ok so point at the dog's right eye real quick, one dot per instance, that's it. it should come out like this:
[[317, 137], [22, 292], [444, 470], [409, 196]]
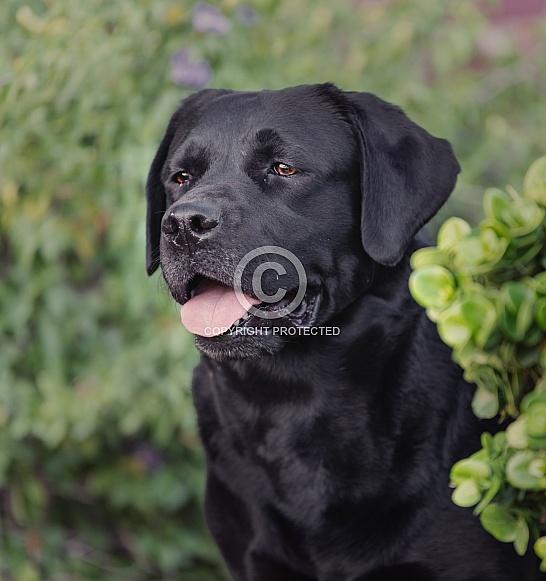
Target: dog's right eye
[[283, 169], [181, 177]]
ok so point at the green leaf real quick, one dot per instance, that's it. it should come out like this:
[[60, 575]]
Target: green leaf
[[533, 337], [516, 294], [540, 282], [526, 217], [432, 286], [522, 537], [540, 550], [469, 253], [536, 444], [540, 313], [471, 316], [531, 399], [540, 547], [452, 231], [471, 477], [429, 256], [534, 182], [467, 494], [481, 314], [536, 420], [527, 470], [453, 326], [496, 203], [516, 433], [500, 522], [485, 404], [499, 443], [519, 303], [494, 245], [470, 468]]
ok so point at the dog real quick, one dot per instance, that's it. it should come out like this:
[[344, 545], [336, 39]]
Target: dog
[[330, 427]]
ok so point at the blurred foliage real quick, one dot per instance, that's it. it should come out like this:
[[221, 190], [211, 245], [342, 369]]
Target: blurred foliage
[[101, 473], [486, 290]]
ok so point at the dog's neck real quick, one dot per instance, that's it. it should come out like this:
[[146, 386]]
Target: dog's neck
[[361, 372]]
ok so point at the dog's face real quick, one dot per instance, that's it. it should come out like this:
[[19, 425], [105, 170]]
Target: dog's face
[[305, 183]]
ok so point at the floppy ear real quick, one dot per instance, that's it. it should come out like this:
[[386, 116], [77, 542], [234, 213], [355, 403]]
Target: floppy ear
[[155, 191], [406, 176], [157, 201]]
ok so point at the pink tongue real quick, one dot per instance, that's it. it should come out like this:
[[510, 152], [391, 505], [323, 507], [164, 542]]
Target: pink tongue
[[213, 309]]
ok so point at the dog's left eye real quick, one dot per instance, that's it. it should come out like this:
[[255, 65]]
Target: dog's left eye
[[182, 177], [283, 169]]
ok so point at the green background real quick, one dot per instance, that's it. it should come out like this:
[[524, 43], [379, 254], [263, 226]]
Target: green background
[[101, 471]]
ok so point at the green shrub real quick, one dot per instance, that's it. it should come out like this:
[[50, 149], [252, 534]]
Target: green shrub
[[486, 290], [101, 472]]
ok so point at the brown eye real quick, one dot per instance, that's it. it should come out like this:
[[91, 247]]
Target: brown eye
[[283, 169], [182, 177]]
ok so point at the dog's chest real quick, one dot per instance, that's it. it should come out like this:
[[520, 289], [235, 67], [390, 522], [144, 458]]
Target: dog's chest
[[272, 456], [298, 473]]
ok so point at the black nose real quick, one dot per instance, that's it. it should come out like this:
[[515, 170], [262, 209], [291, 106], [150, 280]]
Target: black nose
[[190, 219]]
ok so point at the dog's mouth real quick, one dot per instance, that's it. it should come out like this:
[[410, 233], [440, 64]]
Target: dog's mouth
[[212, 309]]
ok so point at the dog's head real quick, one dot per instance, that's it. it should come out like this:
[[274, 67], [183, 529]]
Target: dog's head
[[267, 210]]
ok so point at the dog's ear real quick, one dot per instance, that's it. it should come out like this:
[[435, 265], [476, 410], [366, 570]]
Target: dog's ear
[[406, 176], [155, 191], [156, 197]]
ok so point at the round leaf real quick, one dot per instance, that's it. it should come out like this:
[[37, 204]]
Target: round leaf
[[470, 468], [451, 231], [466, 494], [496, 203], [516, 433], [481, 314], [540, 547], [432, 286], [427, 256], [453, 327], [485, 404], [534, 182], [500, 522], [526, 470], [536, 420]]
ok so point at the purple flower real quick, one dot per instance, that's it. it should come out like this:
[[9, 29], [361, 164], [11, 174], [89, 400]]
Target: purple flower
[[149, 456], [247, 15], [208, 18], [187, 72]]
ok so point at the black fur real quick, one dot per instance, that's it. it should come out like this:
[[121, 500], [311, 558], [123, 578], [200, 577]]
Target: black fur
[[328, 456]]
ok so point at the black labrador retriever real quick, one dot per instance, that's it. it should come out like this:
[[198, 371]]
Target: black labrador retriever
[[330, 417]]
